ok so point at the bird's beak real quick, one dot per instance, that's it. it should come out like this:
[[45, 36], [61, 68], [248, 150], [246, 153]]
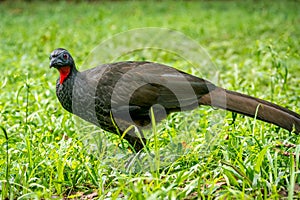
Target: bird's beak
[[53, 62]]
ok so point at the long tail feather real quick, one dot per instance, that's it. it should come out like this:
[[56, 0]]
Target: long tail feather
[[251, 106]]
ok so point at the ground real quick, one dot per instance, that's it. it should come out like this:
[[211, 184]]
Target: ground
[[203, 154]]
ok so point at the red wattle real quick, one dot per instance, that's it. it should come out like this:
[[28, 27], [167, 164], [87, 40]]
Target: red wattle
[[64, 72]]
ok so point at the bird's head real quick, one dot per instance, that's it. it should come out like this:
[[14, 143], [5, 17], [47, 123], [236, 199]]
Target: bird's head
[[62, 60]]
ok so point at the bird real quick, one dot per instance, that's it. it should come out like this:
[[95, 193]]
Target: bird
[[121, 95]]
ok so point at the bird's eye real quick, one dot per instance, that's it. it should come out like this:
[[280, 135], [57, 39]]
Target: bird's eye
[[65, 56]]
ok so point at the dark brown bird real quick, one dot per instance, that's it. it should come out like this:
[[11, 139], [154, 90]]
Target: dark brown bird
[[118, 95]]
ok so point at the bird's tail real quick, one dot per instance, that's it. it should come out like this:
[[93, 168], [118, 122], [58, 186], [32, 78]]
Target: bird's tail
[[253, 107]]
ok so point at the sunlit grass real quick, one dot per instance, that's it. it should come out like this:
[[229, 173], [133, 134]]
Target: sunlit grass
[[49, 153]]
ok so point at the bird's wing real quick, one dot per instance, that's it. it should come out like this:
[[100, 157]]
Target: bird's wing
[[147, 84]]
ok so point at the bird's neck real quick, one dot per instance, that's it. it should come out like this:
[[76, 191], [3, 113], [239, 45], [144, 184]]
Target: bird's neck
[[64, 73]]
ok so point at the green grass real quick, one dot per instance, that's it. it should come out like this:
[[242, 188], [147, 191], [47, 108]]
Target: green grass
[[49, 153]]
